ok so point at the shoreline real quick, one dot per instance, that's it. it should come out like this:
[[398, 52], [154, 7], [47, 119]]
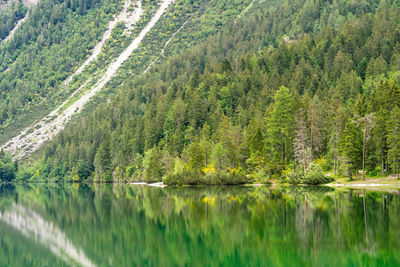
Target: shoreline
[[372, 185]]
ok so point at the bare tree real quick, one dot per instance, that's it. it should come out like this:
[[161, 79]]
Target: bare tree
[[301, 141]]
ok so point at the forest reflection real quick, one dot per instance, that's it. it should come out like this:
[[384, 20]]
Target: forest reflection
[[125, 225]]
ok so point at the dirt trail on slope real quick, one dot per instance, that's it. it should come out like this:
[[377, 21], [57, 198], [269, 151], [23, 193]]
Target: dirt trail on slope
[[31, 138], [129, 19], [166, 44]]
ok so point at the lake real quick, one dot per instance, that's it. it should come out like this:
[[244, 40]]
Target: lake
[[136, 225]]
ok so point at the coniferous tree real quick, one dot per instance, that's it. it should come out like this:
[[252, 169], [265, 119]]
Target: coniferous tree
[[351, 148], [379, 133], [315, 120], [394, 141], [280, 127]]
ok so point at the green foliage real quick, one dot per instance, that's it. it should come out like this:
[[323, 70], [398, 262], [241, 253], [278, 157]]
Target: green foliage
[[8, 168], [293, 177], [351, 148], [10, 16], [280, 127], [199, 178], [376, 172], [394, 140], [84, 170], [152, 164], [231, 101], [313, 176]]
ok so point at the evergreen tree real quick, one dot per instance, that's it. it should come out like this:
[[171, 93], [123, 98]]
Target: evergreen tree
[[280, 127], [394, 141], [379, 133], [196, 156], [351, 148], [153, 165], [315, 120]]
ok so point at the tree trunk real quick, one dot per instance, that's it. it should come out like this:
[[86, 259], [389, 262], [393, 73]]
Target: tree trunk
[[311, 135], [334, 166], [283, 156], [236, 67], [336, 159], [364, 140]]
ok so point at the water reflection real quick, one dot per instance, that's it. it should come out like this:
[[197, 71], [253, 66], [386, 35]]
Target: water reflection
[[33, 226], [127, 225]]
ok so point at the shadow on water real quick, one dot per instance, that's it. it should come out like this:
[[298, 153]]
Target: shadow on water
[[135, 225]]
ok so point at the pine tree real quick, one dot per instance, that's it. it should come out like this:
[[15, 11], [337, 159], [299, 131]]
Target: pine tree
[[280, 126], [205, 143], [152, 163], [350, 148], [219, 156], [314, 116], [196, 157], [227, 138], [394, 141], [380, 137]]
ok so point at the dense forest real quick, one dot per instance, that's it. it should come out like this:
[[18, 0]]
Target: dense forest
[[9, 16], [54, 39], [288, 92]]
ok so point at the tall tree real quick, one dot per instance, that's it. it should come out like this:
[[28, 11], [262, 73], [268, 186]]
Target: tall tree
[[350, 148], [205, 143], [226, 136], [367, 122], [280, 126], [394, 140], [315, 126], [301, 141], [379, 134]]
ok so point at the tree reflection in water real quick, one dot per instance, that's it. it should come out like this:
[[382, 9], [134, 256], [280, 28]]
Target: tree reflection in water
[[135, 225]]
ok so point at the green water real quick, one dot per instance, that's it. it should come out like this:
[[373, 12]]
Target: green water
[[131, 225]]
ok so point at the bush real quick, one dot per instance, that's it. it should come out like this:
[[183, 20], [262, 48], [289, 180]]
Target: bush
[[315, 175], [294, 177], [325, 164], [185, 178], [376, 172], [199, 178], [8, 168]]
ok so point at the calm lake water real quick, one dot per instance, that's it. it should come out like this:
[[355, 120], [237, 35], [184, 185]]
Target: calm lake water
[[130, 225]]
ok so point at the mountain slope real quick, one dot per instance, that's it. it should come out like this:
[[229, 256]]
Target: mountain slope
[[79, 83], [43, 52], [48, 127], [219, 107]]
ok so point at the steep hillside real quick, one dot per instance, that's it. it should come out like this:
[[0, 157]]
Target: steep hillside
[[268, 93], [112, 53], [55, 38]]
